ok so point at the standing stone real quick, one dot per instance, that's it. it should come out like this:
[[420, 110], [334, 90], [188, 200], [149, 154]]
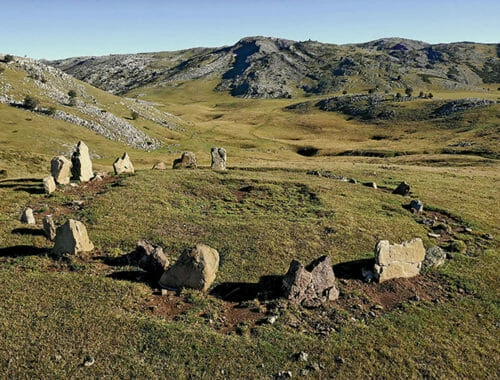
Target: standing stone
[[398, 260], [123, 165], [311, 285], [49, 184], [60, 169], [187, 161], [49, 227], [72, 238], [82, 164], [402, 189], [151, 257], [416, 206], [219, 158], [27, 217], [195, 268]]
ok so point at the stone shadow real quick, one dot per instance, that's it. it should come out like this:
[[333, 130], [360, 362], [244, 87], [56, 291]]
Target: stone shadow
[[29, 185], [353, 269], [22, 250], [28, 231], [268, 288]]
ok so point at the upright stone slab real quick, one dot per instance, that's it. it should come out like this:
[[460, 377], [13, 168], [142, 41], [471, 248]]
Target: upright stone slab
[[398, 260], [27, 217], [49, 227], [123, 165], [195, 268], [151, 258], [60, 169], [49, 185], [219, 158], [416, 206], [187, 161], [311, 285], [82, 164], [402, 189], [72, 238]]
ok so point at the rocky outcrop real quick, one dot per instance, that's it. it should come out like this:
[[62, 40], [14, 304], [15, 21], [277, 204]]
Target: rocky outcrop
[[196, 269], [82, 164], [60, 169], [219, 157], [123, 165], [398, 260], [187, 161], [310, 286], [72, 238]]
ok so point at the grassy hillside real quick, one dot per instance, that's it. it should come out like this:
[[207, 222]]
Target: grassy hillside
[[59, 315]]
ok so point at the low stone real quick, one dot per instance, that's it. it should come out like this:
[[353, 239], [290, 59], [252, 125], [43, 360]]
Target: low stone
[[72, 238], [196, 268], [398, 260], [187, 161], [302, 356], [416, 206], [160, 166], [373, 185], [219, 158], [27, 217], [82, 164], [434, 257], [402, 189], [312, 285], [60, 169], [49, 227], [433, 235], [151, 257], [123, 165], [49, 185]]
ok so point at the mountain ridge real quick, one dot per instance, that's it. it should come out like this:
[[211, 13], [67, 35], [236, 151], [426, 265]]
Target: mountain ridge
[[269, 67]]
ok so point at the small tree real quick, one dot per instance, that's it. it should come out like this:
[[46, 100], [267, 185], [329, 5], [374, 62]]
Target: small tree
[[72, 97], [8, 58], [430, 96], [30, 102], [135, 115], [421, 94]]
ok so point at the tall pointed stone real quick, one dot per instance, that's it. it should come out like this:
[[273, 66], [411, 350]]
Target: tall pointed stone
[[82, 164], [60, 169], [72, 238], [219, 157], [123, 165]]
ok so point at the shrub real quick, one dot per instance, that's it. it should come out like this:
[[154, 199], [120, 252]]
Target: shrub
[[135, 115], [8, 58], [30, 102], [72, 93], [408, 91]]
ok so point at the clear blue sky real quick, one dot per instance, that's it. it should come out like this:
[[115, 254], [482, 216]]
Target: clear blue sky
[[66, 28]]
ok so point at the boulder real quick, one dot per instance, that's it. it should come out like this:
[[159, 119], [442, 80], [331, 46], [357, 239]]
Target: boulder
[[402, 189], [160, 166], [416, 206], [151, 257], [219, 158], [434, 257], [49, 184], [82, 164], [72, 238], [27, 217], [60, 169], [49, 227], [312, 285], [187, 161], [398, 260], [196, 268], [123, 165]]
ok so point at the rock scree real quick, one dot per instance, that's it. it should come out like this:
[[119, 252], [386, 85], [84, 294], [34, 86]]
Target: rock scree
[[196, 269], [398, 260], [82, 164], [72, 238], [312, 285]]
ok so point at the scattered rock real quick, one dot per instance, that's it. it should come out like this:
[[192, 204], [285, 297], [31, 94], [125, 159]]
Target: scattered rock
[[302, 356], [151, 257], [195, 268], [123, 165], [187, 161], [49, 185], [49, 227], [416, 206], [339, 360], [433, 235], [272, 319], [311, 285], [160, 166], [402, 189], [82, 164], [434, 257], [488, 237], [373, 185], [398, 260], [88, 361], [468, 230], [219, 158], [27, 217], [283, 375], [60, 169], [72, 238]]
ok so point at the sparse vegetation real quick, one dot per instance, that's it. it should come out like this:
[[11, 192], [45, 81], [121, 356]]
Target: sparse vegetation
[[30, 102]]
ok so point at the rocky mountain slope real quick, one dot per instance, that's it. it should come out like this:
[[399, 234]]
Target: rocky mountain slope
[[263, 67], [59, 95]]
